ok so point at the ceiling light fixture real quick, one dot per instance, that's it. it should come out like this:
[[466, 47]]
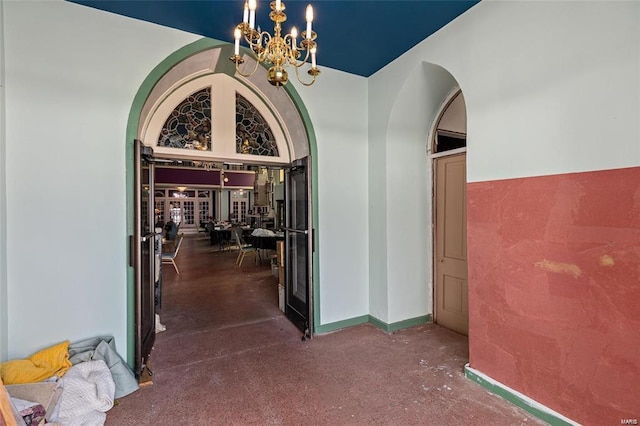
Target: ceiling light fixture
[[277, 50], [182, 188]]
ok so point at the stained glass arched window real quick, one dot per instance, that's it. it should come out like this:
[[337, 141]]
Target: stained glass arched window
[[253, 134], [189, 124]]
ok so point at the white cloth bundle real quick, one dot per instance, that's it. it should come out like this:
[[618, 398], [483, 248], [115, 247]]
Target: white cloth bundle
[[260, 232], [88, 392]]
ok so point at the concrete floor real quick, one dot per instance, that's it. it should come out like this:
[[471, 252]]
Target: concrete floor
[[229, 357]]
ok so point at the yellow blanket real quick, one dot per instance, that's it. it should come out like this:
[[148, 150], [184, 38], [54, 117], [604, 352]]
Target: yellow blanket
[[53, 361]]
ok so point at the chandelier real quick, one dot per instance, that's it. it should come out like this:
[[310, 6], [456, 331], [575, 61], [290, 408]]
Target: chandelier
[[276, 50]]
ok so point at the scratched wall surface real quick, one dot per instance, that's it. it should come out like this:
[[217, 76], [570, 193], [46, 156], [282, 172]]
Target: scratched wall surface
[[554, 290]]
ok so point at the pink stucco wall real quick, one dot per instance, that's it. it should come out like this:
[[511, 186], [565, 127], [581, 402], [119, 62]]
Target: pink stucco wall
[[554, 290]]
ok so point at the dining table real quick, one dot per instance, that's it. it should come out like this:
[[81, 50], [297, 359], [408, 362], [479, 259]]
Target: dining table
[[222, 236], [264, 243]]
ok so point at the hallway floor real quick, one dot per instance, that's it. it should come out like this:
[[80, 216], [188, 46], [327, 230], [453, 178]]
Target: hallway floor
[[230, 357]]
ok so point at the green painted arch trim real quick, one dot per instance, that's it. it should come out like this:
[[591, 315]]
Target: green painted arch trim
[[132, 129]]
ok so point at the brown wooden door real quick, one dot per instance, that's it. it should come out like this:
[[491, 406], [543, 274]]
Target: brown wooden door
[[451, 295]]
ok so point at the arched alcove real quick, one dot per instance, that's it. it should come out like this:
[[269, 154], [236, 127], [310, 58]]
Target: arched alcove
[[407, 278]]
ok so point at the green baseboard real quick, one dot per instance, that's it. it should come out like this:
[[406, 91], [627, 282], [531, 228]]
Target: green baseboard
[[333, 326], [377, 323], [542, 412], [364, 319], [395, 326]]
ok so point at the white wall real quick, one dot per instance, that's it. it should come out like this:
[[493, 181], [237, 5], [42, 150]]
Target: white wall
[[378, 118], [71, 75], [337, 105], [550, 87], [569, 97], [4, 331]]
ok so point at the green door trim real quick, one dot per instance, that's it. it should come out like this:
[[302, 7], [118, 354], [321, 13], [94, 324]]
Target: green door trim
[[132, 129]]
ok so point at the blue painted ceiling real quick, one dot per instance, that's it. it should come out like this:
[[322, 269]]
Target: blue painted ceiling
[[356, 36]]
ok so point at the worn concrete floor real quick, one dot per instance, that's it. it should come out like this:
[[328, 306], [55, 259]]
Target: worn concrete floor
[[229, 357]]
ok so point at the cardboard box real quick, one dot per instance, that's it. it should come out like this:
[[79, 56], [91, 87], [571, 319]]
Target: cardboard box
[[44, 393], [8, 414]]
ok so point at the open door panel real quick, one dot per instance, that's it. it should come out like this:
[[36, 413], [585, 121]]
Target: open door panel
[[298, 246], [147, 246]]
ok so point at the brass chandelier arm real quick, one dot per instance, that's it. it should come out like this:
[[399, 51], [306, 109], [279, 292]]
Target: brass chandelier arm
[[312, 72], [294, 54], [305, 60], [238, 60], [257, 51], [261, 54]]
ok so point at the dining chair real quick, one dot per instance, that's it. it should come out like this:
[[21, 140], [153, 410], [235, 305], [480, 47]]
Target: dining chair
[[170, 256], [203, 228], [243, 247]]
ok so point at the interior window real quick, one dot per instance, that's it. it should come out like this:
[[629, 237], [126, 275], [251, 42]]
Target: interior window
[[449, 141]]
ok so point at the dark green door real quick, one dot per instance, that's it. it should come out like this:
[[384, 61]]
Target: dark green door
[[146, 260], [298, 237]]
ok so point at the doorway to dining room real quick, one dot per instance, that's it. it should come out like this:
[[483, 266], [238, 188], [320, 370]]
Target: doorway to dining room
[[274, 215], [189, 122]]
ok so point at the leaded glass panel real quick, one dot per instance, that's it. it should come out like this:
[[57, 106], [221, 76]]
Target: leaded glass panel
[[189, 124], [253, 134]]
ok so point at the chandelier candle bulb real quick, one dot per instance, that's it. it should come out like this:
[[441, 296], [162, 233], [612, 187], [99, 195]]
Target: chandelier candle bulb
[[245, 13], [313, 57], [309, 20], [252, 13], [237, 34], [278, 5], [294, 35]]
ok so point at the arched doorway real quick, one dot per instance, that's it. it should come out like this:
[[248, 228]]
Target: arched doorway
[[451, 302], [184, 70]]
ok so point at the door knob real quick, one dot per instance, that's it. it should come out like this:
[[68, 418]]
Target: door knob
[[441, 260]]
